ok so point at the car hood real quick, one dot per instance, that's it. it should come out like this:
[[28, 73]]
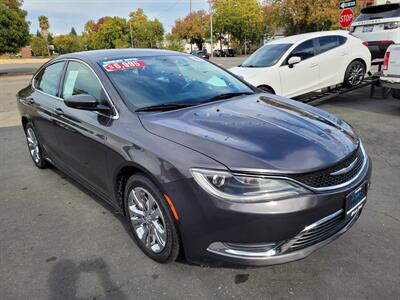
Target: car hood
[[259, 133], [247, 73]]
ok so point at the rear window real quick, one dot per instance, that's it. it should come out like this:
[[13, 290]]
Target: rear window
[[379, 12]]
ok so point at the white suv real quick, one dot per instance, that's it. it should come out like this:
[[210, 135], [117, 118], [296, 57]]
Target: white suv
[[391, 70], [379, 27]]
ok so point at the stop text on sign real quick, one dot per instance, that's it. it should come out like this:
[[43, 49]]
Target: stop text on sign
[[346, 18]]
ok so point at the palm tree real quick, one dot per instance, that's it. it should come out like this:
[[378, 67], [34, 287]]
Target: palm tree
[[44, 29]]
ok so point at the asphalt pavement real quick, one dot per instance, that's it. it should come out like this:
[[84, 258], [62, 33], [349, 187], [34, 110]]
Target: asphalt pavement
[[59, 241]]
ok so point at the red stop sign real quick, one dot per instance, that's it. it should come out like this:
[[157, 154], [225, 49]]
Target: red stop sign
[[346, 18]]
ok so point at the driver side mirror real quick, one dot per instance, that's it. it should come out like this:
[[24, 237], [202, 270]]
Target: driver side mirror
[[293, 61], [85, 102]]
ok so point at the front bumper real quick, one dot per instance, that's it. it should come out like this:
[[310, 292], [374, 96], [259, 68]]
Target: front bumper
[[325, 231], [216, 232]]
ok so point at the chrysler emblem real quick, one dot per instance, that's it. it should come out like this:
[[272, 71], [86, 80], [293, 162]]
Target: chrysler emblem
[[346, 169]]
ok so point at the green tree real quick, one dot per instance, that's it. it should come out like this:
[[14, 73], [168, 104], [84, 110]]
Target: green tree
[[68, 43], [300, 16], [44, 25], [172, 42], [44, 30], [14, 29], [39, 46], [111, 33], [241, 20], [145, 33], [193, 28], [73, 32]]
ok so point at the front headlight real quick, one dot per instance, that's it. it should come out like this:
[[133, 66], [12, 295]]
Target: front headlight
[[241, 188]]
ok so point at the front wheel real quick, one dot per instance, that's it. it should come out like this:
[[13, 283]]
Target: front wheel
[[150, 220], [266, 89], [355, 74]]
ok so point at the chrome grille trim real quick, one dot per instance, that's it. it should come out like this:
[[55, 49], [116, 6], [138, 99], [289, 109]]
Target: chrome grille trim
[[259, 173]]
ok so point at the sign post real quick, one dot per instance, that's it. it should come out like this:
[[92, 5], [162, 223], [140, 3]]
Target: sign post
[[346, 18]]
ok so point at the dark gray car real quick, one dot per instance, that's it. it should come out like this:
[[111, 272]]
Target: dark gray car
[[202, 164]]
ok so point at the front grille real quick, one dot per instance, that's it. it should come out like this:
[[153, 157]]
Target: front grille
[[320, 232], [323, 178]]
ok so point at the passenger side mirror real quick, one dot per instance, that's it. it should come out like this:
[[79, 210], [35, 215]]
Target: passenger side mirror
[[293, 61], [85, 102]]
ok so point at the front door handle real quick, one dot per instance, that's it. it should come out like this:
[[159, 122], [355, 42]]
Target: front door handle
[[314, 65], [59, 112]]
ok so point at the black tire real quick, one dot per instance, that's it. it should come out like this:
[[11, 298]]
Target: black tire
[[172, 245], [396, 93], [266, 89], [34, 147], [355, 74]]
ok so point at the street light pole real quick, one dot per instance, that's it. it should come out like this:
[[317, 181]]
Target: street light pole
[[190, 12], [130, 28], [211, 33]]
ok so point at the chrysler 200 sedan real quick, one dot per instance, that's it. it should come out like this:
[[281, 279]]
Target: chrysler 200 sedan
[[201, 163]]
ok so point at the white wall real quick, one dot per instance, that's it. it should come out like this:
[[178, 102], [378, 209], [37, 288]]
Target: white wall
[[378, 2]]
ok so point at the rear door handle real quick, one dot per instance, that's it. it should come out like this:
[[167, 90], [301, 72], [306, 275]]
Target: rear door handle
[[314, 65], [30, 100], [59, 112]]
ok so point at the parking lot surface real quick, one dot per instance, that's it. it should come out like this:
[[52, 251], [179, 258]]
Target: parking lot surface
[[59, 241]]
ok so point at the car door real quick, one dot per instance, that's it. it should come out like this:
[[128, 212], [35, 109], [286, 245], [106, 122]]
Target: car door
[[43, 102], [304, 76], [332, 49], [82, 135]]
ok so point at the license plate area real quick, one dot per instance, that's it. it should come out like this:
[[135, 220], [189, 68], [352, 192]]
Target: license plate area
[[368, 28], [355, 200]]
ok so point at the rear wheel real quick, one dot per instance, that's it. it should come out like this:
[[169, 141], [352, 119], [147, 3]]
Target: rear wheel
[[34, 147], [396, 93], [150, 220], [355, 74]]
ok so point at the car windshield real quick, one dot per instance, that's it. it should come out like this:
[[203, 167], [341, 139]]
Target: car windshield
[[167, 80], [266, 56], [379, 12]]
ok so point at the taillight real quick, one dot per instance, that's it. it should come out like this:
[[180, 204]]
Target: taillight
[[391, 25], [365, 44], [386, 61]]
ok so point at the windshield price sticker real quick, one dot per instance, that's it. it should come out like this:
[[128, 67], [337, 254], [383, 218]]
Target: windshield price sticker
[[122, 64]]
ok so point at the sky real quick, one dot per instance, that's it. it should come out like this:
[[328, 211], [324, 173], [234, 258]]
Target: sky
[[64, 14]]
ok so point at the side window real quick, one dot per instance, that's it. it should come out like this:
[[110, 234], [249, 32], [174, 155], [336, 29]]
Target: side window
[[327, 43], [342, 40], [79, 79], [47, 80], [305, 50]]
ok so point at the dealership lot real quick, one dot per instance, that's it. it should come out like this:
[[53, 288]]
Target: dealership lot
[[58, 241]]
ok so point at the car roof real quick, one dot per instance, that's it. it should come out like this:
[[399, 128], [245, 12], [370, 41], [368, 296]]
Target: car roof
[[111, 54], [294, 39]]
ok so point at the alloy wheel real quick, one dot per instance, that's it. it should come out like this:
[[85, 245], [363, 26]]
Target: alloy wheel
[[147, 219], [33, 145], [356, 74]]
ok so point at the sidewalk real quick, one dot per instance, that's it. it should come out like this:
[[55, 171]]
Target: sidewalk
[[13, 61]]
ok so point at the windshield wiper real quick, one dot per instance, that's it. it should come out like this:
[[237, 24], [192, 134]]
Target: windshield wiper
[[226, 96], [164, 107]]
